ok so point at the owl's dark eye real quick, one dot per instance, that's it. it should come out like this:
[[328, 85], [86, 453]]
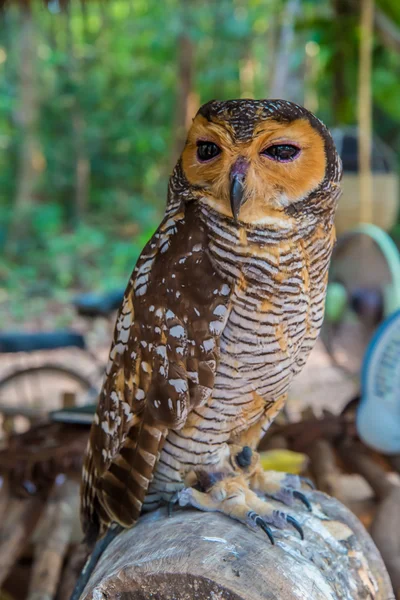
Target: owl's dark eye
[[281, 152], [207, 150]]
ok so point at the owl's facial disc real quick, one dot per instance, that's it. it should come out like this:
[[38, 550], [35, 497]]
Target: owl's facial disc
[[254, 178]]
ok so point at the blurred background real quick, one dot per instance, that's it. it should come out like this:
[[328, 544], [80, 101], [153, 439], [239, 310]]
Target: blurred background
[[95, 99]]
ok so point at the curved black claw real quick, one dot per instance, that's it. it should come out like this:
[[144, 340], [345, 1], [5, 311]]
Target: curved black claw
[[171, 503], [308, 482], [261, 523], [300, 496], [296, 525]]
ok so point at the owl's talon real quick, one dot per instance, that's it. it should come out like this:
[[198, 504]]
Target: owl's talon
[[308, 481], [259, 521], [303, 498], [171, 503], [296, 525]]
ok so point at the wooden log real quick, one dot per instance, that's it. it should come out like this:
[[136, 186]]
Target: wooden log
[[207, 555], [385, 527], [395, 462], [324, 467], [4, 496], [22, 517], [74, 566], [55, 529]]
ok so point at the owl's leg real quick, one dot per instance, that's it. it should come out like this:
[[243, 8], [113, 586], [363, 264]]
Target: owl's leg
[[285, 487], [233, 497]]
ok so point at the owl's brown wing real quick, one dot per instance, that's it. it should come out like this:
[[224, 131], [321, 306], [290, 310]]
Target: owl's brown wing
[[162, 364]]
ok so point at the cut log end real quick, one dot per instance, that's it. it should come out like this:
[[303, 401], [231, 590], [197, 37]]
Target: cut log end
[[207, 555]]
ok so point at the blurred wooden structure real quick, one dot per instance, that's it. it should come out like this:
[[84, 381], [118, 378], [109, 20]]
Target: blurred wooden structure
[[385, 183]]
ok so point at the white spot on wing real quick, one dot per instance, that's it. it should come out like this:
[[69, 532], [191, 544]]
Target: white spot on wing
[[177, 331], [126, 408], [180, 385], [105, 427], [193, 376], [118, 349], [225, 290], [209, 345], [216, 327], [123, 335]]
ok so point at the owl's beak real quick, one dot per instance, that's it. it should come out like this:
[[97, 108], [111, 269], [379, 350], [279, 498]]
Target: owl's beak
[[237, 179]]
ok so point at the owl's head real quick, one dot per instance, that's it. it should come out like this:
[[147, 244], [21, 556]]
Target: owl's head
[[257, 161]]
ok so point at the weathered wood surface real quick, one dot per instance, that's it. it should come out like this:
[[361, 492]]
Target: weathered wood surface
[[55, 528], [195, 555], [19, 522]]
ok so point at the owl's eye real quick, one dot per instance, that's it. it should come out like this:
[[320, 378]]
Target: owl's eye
[[282, 152], [207, 150]]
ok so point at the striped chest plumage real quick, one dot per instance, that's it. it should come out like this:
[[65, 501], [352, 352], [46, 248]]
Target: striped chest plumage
[[276, 310]]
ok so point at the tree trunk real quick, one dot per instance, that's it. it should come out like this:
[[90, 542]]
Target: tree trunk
[[206, 555], [365, 110], [284, 49], [82, 162], [343, 11], [187, 101], [31, 161]]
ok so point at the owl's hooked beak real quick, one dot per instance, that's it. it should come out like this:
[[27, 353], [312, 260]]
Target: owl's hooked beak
[[237, 179]]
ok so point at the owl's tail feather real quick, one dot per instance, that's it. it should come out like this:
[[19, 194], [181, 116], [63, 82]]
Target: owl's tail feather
[[92, 561], [125, 484]]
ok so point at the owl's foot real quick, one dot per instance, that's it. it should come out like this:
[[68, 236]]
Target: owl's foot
[[233, 497], [285, 487]]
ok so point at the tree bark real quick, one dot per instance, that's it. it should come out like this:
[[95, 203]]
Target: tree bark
[[22, 517], [187, 101], [284, 48], [207, 555], [343, 11], [365, 110], [55, 529], [31, 161], [82, 162]]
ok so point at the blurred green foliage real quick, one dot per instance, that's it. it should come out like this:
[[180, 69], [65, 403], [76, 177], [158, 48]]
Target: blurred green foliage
[[104, 80]]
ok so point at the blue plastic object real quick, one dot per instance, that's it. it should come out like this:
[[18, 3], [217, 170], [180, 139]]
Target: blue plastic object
[[99, 305], [15, 341], [378, 415]]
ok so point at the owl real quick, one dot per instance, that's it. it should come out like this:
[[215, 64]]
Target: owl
[[222, 309]]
